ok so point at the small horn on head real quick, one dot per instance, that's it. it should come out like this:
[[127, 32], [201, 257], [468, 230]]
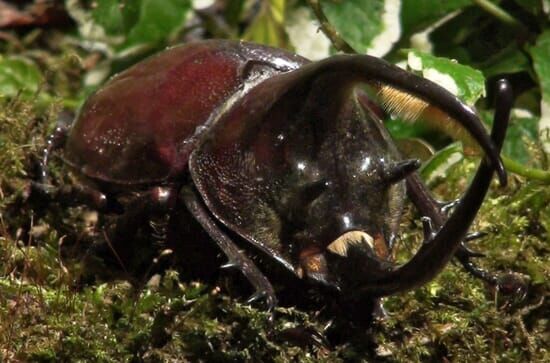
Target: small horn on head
[[398, 171]]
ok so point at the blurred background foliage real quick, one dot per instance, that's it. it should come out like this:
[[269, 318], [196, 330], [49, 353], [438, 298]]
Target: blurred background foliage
[[55, 53]]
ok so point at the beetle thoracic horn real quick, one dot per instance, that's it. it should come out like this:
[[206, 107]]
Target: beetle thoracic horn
[[372, 70], [348, 71], [438, 250]]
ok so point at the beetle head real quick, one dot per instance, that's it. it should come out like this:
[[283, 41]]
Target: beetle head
[[300, 169]]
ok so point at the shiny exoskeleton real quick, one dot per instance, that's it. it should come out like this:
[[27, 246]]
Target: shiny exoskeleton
[[291, 156]]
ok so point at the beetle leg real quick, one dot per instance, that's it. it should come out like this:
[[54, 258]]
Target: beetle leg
[[73, 195], [431, 208], [156, 201], [236, 257], [139, 211], [55, 141]]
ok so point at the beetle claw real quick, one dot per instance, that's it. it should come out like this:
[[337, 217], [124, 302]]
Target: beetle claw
[[428, 228], [474, 235], [229, 265], [270, 300], [446, 207]]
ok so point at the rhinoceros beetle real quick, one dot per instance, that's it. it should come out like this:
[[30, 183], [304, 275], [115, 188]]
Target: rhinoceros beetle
[[286, 156]]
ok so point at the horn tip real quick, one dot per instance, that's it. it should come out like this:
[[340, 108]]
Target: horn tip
[[502, 175]]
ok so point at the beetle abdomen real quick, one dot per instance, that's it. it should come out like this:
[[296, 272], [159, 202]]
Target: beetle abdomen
[[142, 125]]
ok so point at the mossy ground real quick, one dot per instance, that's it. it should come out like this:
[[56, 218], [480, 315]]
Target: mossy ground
[[54, 307]]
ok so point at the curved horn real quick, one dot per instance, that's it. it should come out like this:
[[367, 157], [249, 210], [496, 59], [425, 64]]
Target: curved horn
[[371, 69], [350, 70], [436, 252]]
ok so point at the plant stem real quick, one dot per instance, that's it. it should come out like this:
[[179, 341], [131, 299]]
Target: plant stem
[[498, 13], [327, 28], [529, 173]]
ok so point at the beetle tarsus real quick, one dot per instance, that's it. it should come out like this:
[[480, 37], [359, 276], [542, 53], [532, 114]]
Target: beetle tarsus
[[435, 210], [149, 207], [469, 252], [479, 273], [474, 235]]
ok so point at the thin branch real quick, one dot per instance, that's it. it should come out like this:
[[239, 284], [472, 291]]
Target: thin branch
[[326, 27], [498, 13], [529, 173]]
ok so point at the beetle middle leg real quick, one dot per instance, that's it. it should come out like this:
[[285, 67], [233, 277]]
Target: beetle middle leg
[[430, 207], [262, 286], [149, 208]]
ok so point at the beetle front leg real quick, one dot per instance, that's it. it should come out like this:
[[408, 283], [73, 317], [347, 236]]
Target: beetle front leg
[[236, 257]]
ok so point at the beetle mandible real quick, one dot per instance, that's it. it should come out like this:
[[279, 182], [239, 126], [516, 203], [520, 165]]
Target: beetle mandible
[[288, 155]]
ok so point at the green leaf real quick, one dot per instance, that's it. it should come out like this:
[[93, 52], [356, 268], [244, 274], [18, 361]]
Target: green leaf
[[535, 7], [463, 81], [419, 14], [233, 11], [108, 14], [267, 26], [541, 63], [157, 21], [509, 60], [400, 129], [19, 75], [359, 22], [146, 23], [520, 131], [441, 161]]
